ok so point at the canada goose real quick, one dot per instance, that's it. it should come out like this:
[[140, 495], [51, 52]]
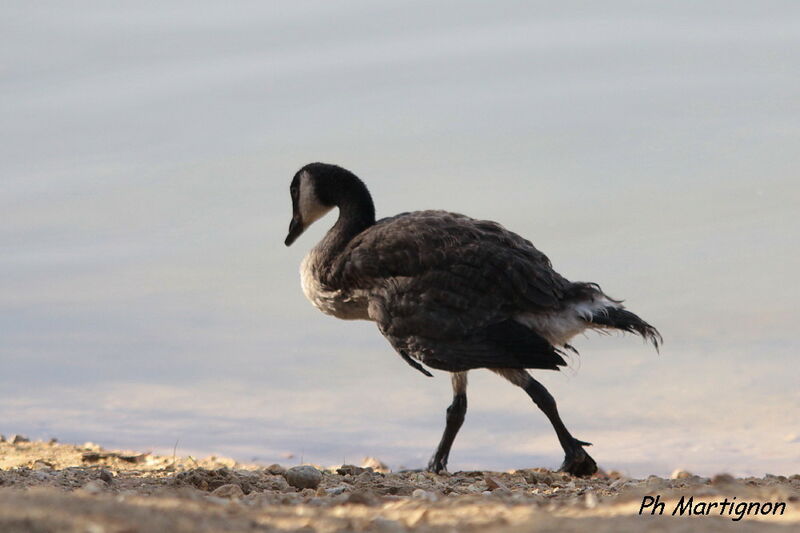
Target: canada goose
[[450, 292]]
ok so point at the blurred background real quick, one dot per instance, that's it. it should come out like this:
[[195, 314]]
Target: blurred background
[[146, 296]]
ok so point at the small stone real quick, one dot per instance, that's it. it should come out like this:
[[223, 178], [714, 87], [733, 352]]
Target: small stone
[[275, 469], [590, 500], [375, 464], [334, 491], [538, 477], [230, 491], [362, 497], [53, 441], [422, 494], [655, 482], [680, 474], [303, 477], [365, 476], [106, 476], [353, 470], [17, 439], [42, 465], [723, 479], [95, 486], [473, 488], [278, 483], [493, 483]]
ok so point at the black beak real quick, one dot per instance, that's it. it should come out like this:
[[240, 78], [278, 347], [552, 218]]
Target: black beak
[[295, 229]]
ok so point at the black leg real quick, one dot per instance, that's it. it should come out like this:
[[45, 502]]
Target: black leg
[[576, 461], [454, 420]]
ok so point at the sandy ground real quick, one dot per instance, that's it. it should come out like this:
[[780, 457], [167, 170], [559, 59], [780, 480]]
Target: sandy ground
[[52, 487]]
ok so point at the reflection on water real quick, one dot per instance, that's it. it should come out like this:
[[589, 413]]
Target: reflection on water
[[146, 296]]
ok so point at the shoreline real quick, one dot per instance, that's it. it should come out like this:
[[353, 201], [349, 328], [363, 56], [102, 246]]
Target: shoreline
[[50, 486]]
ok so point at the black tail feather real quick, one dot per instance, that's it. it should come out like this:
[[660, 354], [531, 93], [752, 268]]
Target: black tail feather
[[622, 319], [529, 348]]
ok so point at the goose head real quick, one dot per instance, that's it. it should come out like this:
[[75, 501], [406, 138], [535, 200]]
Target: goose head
[[311, 198]]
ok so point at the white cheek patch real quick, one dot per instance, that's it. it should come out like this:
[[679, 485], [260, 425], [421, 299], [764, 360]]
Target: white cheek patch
[[311, 209]]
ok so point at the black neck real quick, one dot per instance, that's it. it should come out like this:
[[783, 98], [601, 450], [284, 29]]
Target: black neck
[[356, 209]]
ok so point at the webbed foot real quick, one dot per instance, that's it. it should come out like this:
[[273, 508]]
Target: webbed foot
[[578, 462], [437, 466]]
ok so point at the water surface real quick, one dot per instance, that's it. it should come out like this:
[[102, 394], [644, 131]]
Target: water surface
[[146, 297]]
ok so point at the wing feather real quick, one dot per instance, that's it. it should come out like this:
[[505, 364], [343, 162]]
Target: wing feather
[[443, 289]]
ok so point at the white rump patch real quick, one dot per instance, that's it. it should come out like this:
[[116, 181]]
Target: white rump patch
[[559, 328]]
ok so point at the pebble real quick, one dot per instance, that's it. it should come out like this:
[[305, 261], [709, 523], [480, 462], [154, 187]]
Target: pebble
[[352, 470], [542, 478], [95, 486], [680, 474], [230, 491], [275, 469], [422, 494], [365, 477], [723, 479], [375, 464], [472, 487], [278, 483], [304, 477], [363, 497], [42, 465], [494, 483], [16, 439], [106, 476], [617, 484], [591, 500]]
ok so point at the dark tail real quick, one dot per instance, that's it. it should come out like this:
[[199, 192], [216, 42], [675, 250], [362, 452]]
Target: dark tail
[[622, 319]]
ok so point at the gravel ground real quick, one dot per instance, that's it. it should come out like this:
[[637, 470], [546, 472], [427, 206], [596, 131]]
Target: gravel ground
[[52, 487]]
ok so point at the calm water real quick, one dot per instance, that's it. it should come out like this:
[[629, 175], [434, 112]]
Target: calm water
[[146, 296]]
